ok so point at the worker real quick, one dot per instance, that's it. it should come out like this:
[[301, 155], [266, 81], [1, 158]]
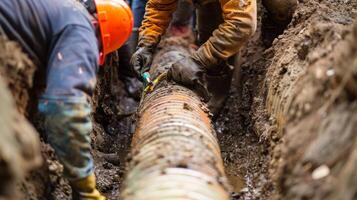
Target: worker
[[68, 40], [223, 28]]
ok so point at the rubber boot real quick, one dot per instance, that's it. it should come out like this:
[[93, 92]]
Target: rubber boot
[[85, 189]]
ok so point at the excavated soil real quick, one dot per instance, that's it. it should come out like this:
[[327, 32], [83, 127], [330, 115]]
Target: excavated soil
[[311, 98], [288, 128]]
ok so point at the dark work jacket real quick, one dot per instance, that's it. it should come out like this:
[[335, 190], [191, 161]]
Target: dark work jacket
[[59, 37]]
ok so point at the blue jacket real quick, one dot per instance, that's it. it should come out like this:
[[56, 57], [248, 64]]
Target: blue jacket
[[59, 37]]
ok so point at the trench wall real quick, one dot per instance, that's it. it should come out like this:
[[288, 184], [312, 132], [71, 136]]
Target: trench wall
[[310, 91]]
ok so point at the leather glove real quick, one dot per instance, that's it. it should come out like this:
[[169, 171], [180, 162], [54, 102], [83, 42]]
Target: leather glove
[[190, 74], [141, 60]]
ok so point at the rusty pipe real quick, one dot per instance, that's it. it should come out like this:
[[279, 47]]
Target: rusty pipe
[[175, 153]]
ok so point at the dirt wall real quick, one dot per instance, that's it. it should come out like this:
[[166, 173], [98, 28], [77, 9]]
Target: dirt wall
[[19, 144], [310, 95]]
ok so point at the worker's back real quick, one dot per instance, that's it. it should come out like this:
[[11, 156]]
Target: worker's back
[[36, 23]]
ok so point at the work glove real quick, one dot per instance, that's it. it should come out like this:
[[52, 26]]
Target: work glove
[[141, 60], [189, 73], [85, 189]]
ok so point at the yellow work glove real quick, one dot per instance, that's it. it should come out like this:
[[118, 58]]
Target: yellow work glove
[[85, 189]]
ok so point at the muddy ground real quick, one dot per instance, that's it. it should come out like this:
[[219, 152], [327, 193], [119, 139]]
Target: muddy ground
[[287, 131]]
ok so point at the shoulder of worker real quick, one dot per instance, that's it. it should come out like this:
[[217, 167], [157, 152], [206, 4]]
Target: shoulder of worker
[[73, 13], [61, 14]]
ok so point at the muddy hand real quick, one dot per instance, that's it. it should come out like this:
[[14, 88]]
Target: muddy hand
[[188, 73]]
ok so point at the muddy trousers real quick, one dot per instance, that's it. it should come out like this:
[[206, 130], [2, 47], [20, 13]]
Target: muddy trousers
[[209, 17], [68, 126]]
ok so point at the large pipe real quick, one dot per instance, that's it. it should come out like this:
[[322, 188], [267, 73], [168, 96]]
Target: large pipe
[[175, 153]]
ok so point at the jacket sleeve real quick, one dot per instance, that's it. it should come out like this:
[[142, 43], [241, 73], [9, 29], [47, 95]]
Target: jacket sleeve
[[157, 17], [72, 64], [240, 19]]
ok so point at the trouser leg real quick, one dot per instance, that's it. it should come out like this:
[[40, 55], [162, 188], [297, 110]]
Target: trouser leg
[[209, 17]]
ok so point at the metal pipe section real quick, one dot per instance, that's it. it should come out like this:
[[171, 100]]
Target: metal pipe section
[[175, 153]]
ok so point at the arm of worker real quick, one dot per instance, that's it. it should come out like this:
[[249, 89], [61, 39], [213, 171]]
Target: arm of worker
[[157, 17], [158, 14], [239, 24]]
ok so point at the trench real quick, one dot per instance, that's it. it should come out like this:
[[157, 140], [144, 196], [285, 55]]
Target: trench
[[279, 126], [245, 155]]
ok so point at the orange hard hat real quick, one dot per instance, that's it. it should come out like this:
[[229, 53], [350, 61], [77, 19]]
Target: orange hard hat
[[115, 21]]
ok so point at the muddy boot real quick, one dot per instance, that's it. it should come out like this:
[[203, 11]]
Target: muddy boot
[[218, 86], [85, 189]]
